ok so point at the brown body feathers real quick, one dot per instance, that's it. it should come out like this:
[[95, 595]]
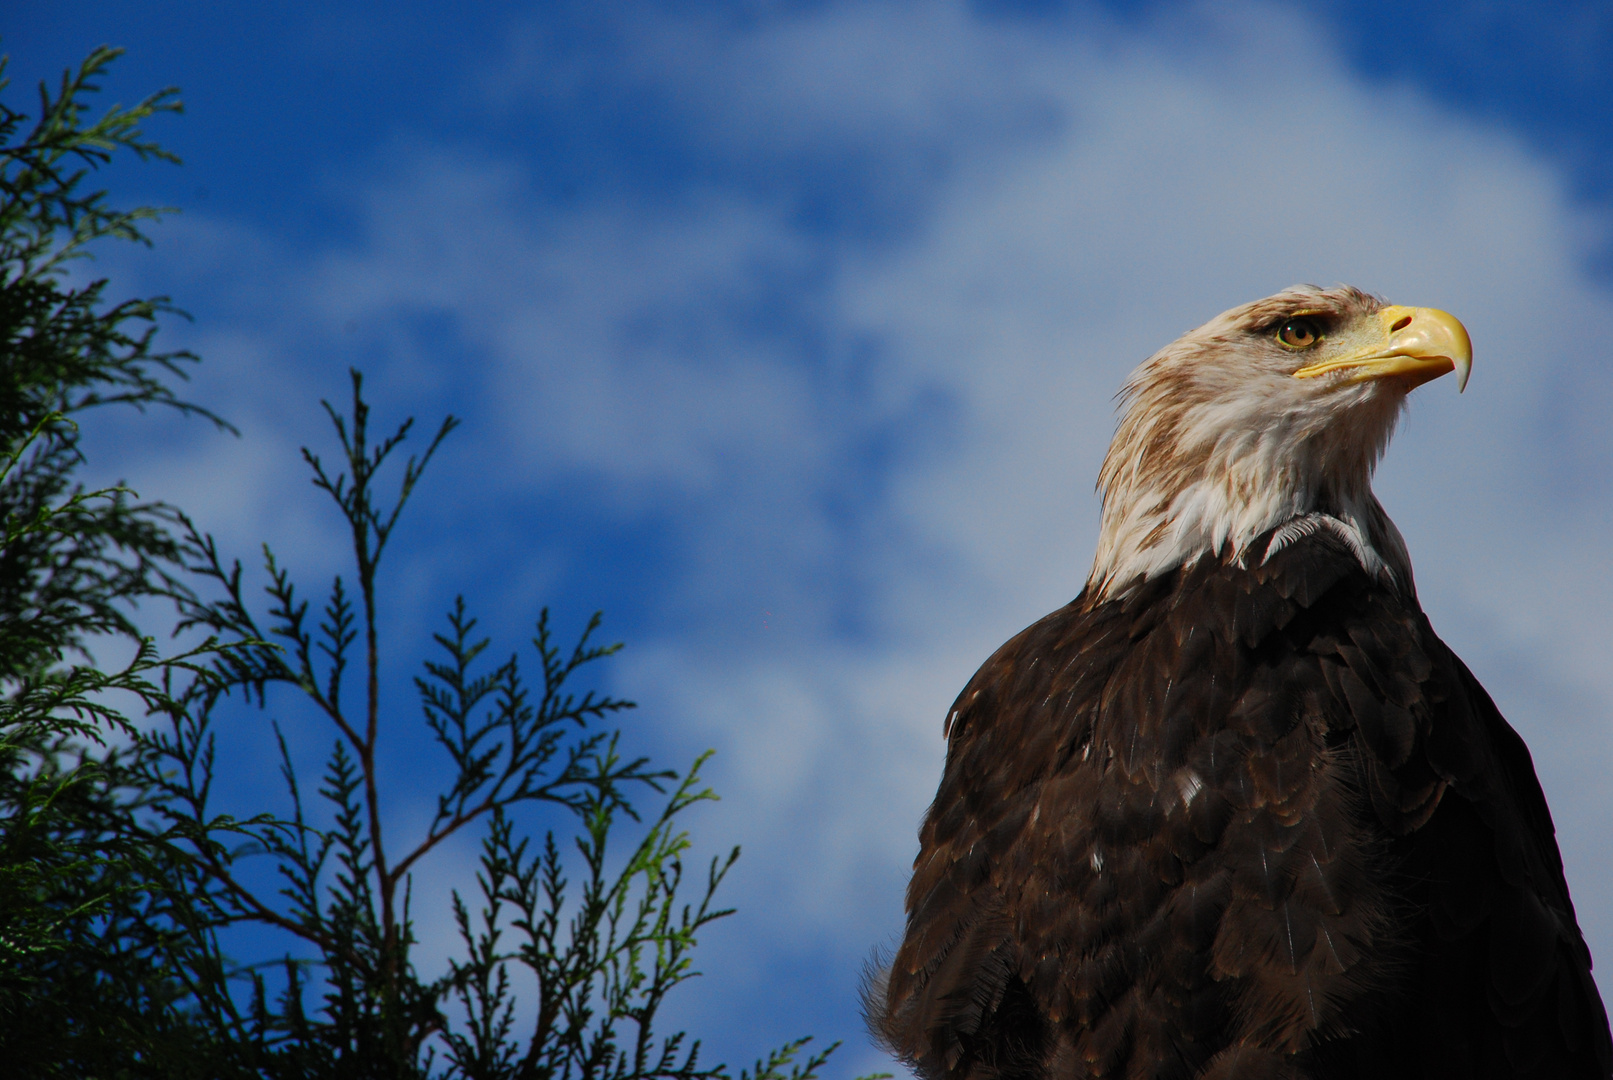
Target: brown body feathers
[[1239, 823]]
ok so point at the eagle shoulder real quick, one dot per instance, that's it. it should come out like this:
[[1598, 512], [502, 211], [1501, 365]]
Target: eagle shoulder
[[1237, 814]]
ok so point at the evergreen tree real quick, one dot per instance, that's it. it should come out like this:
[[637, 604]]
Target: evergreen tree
[[80, 993], [118, 876]]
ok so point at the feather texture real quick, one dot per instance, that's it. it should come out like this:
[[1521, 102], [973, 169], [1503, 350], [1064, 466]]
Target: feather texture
[[1239, 820]]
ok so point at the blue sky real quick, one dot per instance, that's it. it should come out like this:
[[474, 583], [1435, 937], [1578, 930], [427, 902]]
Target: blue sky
[[788, 333]]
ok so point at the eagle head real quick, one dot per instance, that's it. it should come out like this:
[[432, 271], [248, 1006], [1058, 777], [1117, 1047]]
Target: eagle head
[[1269, 413]]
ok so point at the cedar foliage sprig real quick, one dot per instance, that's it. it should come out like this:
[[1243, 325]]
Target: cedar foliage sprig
[[562, 940]]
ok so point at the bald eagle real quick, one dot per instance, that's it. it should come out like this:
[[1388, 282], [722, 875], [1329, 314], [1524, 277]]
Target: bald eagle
[[1236, 811]]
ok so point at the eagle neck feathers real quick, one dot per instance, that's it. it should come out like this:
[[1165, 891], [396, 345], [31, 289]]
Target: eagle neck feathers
[[1202, 521]]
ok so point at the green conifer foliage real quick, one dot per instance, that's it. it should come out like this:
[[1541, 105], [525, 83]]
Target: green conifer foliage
[[82, 990], [119, 878]]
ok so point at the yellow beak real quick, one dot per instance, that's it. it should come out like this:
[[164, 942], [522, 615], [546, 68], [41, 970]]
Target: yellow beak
[[1419, 344]]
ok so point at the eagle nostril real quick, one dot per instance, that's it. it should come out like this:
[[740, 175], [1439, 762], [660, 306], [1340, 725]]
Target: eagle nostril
[[1400, 323]]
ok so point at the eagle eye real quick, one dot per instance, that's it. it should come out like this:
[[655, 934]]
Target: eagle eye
[[1299, 333]]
